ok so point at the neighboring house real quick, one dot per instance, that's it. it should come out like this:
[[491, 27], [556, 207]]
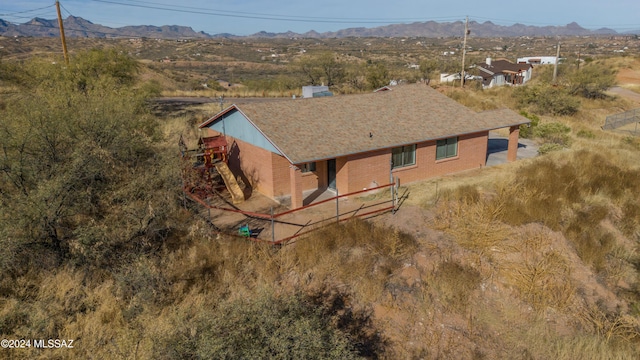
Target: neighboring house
[[503, 72], [354, 142], [537, 60], [455, 77], [447, 78]]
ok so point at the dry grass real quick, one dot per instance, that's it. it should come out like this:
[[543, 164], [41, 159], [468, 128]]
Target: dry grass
[[235, 92], [500, 280], [513, 229]]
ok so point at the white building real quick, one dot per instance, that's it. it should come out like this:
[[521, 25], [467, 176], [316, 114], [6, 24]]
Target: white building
[[537, 60]]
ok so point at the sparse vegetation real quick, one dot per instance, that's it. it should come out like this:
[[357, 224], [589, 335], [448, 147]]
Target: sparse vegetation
[[536, 260], [546, 100]]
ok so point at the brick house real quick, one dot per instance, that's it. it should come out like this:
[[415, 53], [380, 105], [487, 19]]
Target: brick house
[[353, 142]]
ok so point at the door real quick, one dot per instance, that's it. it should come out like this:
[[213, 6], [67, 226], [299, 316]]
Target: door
[[331, 174]]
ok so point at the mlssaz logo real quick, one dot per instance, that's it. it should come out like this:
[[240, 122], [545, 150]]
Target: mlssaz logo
[[53, 344]]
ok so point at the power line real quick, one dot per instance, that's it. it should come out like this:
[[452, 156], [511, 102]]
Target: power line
[[273, 17], [258, 16], [65, 9], [27, 11]]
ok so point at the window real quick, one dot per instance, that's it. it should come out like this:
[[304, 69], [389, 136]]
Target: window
[[308, 167], [403, 156], [447, 148]]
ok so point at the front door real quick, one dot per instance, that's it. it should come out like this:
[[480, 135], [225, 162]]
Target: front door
[[331, 174]]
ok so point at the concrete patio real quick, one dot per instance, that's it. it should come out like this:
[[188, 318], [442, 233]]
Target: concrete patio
[[497, 149]]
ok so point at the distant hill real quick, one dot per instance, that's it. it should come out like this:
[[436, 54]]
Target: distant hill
[[79, 27]]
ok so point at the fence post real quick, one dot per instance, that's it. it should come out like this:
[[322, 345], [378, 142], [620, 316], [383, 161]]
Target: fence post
[[337, 207], [273, 227], [393, 199], [396, 186]]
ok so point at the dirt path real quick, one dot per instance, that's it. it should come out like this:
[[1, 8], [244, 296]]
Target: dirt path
[[625, 93]]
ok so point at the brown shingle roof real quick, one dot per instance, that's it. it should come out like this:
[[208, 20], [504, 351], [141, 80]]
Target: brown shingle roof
[[498, 66], [323, 128]]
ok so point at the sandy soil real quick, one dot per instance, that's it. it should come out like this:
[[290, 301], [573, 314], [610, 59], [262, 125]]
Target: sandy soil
[[628, 77]]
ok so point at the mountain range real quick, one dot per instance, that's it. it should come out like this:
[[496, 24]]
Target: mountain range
[[79, 27]]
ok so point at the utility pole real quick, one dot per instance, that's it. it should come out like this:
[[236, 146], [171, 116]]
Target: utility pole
[[464, 49], [555, 67], [64, 42], [221, 99]]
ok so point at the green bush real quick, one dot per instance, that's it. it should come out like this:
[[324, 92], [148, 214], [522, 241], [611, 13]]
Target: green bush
[[587, 134], [270, 327], [82, 172], [546, 100], [592, 80], [553, 132], [526, 131], [549, 147]]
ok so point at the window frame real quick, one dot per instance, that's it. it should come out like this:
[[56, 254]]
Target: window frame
[[447, 144], [308, 167], [407, 154]]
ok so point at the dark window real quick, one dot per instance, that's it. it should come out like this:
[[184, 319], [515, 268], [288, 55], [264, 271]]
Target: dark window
[[447, 148], [308, 167], [403, 156]]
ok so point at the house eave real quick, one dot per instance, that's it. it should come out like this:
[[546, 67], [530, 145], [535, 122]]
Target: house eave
[[339, 155], [235, 107]]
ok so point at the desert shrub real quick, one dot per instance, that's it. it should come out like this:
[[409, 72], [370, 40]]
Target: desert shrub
[[546, 100], [266, 326], [455, 283], [526, 131], [630, 219], [554, 135], [592, 80], [83, 177], [591, 241], [357, 253], [543, 280], [548, 187], [549, 147], [558, 194], [553, 132], [467, 194], [587, 134], [386, 242]]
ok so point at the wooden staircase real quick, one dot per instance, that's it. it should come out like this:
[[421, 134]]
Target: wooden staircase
[[237, 196]]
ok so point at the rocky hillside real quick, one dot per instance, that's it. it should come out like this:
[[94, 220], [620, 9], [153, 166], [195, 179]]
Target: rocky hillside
[[78, 27]]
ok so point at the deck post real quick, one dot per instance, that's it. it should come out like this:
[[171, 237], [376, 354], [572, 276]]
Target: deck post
[[297, 197], [512, 148]]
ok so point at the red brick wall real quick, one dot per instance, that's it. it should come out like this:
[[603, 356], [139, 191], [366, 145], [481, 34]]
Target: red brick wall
[[342, 175], [512, 150], [365, 170], [252, 164], [315, 179], [281, 176], [269, 172], [472, 153]]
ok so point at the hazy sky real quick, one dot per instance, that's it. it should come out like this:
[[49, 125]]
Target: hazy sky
[[244, 17]]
